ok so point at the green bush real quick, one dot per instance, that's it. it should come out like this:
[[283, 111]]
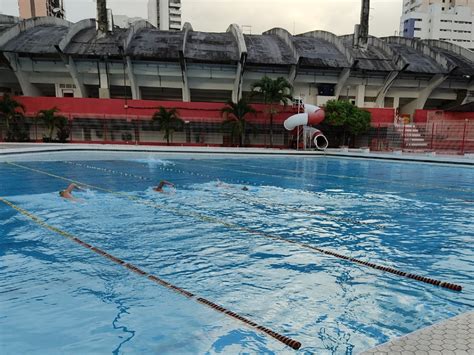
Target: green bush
[[12, 117], [344, 120]]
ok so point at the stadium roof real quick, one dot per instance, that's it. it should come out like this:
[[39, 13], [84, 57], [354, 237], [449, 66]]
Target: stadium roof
[[44, 36]]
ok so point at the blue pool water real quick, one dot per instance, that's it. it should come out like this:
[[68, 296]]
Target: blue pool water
[[57, 297]]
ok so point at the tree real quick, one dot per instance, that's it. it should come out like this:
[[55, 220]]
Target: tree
[[346, 117], [275, 92], [169, 122], [52, 121], [12, 114], [63, 130], [236, 122]]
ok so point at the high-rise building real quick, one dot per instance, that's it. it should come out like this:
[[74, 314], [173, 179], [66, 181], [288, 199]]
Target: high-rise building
[[165, 14], [35, 8], [447, 20]]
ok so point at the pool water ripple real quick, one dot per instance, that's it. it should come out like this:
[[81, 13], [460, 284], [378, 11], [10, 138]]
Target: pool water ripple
[[84, 303]]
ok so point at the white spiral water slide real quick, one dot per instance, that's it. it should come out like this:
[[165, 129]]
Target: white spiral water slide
[[312, 115]]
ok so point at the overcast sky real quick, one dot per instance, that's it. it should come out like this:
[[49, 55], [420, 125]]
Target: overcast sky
[[337, 16]]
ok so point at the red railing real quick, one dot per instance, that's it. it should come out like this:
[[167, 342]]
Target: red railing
[[114, 121], [450, 137]]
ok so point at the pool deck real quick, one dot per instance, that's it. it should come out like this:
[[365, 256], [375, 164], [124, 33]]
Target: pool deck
[[453, 336], [26, 148]]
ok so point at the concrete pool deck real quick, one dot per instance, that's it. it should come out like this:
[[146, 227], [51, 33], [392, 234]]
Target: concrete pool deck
[[454, 336], [7, 149]]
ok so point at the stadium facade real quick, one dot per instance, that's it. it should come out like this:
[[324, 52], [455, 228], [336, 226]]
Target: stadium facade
[[50, 57]]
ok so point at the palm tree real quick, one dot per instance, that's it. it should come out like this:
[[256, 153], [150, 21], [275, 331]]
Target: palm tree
[[12, 112], [276, 91], [169, 121], [51, 120], [236, 113]]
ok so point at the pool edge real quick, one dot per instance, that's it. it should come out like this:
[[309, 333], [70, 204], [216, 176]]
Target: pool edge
[[22, 149]]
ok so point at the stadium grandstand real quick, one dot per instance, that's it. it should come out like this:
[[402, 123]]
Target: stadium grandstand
[[121, 73]]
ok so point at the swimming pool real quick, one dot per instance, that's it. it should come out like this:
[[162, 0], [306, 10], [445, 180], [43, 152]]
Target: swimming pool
[[253, 252]]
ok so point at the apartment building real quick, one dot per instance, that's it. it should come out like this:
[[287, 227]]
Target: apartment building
[[36, 8], [165, 14], [446, 20]]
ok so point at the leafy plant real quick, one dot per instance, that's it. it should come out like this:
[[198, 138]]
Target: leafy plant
[[63, 131], [274, 92], [169, 122], [12, 114], [52, 121], [236, 121], [126, 137], [346, 118]]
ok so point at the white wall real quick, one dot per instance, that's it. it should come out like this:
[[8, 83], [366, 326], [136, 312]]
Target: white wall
[[455, 24]]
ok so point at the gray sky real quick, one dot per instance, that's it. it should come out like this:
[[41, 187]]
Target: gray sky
[[337, 16]]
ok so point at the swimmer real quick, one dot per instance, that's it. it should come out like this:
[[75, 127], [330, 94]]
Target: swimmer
[[227, 186], [67, 194], [162, 184]]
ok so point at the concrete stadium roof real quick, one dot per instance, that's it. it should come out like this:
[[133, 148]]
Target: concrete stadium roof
[[87, 43], [38, 35], [318, 49], [6, 22], [316, 52], [420, 57], [214, 47], [268, 49], [378, 56], [37, 40], [457, 56], [150, 43]]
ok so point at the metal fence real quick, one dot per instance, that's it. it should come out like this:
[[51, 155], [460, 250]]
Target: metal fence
[[142, 131], [442, 136]]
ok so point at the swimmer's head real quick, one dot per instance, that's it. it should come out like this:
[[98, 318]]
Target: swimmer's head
[[245, 188]]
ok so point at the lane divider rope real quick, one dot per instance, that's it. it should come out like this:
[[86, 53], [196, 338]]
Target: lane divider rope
[[246, 200], [369, 179], [281, 338], [410, 193], [431, 281]]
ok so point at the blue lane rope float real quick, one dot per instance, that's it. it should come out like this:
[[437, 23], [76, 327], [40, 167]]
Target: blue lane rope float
[[232, 196], [296, 178], [365, 178], [431, 281], [135, 269]]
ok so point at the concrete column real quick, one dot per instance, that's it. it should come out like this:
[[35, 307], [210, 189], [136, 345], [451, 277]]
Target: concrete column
[[423, 95], [69, 63], [341, 82], [388, 82], [182, 61], [469, 93], [240, 41], [184, 73], [136, 95], [293, 74], [28, 88], [104, 89], [396, 102], [237, 90], [81, 90], [360, 96]]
